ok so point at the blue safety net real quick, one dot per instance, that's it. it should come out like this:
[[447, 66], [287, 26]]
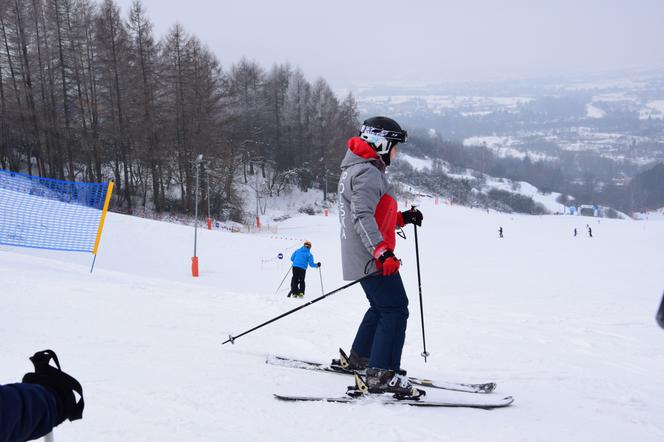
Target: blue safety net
[[49, 214]]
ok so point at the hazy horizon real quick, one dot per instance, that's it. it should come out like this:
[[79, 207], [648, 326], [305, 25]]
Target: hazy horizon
[[370, 42]]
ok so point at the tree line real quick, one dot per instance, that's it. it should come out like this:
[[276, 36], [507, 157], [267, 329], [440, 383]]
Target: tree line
[[89, 95]]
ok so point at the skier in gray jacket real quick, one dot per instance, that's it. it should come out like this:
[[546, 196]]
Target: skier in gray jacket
[[369, 218]]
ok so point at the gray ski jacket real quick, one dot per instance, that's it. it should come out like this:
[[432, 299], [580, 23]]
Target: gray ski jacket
[[367, 211]]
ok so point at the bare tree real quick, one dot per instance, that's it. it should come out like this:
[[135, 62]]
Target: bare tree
[[88, 94]]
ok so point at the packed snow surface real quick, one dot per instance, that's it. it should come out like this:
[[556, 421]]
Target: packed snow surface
[[564, 324]]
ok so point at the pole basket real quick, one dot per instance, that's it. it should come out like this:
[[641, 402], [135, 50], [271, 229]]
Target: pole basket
[[209, 223], [194, 266]]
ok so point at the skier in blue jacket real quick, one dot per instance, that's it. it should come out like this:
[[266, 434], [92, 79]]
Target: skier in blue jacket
[[300, 259], [30, 409]]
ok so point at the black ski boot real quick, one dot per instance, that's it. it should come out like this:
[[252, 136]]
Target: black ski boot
[[380, 380], [354, 362]]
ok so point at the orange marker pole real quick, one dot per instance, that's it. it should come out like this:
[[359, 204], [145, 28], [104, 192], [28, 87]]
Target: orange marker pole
[[107, 201], [194, 266]]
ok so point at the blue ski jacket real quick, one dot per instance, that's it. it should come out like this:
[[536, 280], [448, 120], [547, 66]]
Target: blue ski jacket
[[301, 257], [27, 411]]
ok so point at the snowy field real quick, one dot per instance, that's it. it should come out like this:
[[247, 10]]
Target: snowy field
[[565, 325]]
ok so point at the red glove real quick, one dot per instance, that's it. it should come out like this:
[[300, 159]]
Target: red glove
[[386, 261]]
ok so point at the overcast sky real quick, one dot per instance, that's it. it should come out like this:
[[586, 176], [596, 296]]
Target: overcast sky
[[353, 42]]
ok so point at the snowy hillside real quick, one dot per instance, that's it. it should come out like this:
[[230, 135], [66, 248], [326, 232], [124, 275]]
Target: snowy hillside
[[548, 200], [565, 325]]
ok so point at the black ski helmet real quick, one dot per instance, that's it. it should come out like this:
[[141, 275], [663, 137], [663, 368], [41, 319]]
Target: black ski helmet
[[382, 134]]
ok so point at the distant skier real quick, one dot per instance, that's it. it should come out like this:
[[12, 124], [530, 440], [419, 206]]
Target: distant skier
[[369, 218], [301, 258], [575, 232], [590, 231], [500, 232]]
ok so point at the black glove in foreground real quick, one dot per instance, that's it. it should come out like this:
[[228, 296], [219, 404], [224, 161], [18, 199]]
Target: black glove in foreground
[[59, 383]]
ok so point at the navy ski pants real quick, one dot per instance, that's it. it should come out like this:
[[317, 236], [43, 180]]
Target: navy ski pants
[[297, 281], [383, 329]]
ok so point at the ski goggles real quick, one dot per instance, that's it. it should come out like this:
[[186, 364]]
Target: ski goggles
[[392, 135]]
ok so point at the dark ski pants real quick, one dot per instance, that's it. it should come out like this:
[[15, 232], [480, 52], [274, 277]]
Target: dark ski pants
[[297, 281], [383, 330]]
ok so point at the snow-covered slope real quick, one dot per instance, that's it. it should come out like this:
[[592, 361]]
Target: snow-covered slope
[[653, 215], [564, 324]]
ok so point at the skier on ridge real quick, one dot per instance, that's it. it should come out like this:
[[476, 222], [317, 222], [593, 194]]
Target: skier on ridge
[[369, 218]]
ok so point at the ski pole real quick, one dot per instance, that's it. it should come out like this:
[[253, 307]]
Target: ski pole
[[282, 281], [425, 353], [321, 281], [232, 339]]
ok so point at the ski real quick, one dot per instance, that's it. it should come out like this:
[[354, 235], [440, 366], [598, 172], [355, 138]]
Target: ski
[[485, 403], [487, 387]]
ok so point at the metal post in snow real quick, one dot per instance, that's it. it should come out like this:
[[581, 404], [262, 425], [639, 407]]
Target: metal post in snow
[[194, 259], [196, 211]]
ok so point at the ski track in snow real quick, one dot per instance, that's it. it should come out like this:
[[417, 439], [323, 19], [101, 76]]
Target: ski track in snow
[[565, 325]]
